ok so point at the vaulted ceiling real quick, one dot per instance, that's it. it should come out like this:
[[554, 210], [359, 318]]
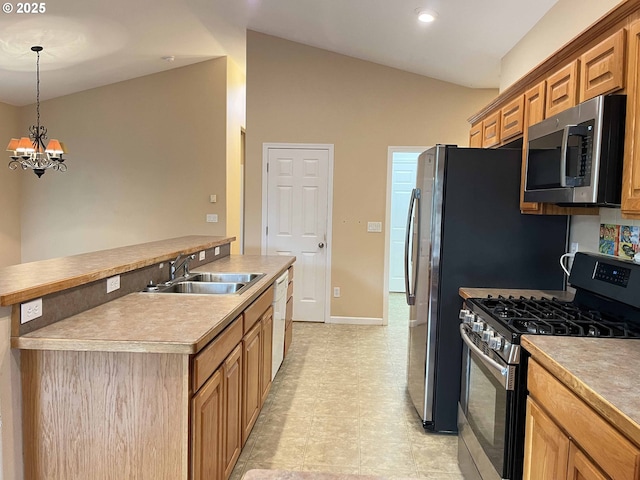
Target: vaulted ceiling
[[90, 43]]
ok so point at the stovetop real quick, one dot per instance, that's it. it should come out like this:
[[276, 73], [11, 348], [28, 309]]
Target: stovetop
[[551, 316]]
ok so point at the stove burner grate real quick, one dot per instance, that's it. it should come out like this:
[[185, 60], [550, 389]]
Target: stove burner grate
[[544, 316]]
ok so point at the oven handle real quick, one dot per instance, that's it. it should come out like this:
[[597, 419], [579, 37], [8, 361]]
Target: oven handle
[[487, 360]]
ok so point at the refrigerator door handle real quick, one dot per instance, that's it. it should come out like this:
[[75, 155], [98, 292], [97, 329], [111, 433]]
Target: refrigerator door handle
[[414, 203]]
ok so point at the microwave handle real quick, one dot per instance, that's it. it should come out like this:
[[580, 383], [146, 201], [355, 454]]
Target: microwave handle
[[563, 155]]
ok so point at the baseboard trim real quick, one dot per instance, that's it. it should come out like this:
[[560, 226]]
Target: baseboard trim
[[355, 320]]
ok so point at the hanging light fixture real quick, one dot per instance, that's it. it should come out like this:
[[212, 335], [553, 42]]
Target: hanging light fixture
[[30, 152]]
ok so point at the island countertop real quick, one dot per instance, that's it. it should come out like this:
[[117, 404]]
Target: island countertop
[[601, 371], [24, 281], [158, 322]]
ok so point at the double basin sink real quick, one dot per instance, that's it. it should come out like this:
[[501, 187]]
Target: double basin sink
[[208, 283]]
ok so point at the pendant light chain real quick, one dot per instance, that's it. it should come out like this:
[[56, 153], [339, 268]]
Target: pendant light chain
[[38, 88]]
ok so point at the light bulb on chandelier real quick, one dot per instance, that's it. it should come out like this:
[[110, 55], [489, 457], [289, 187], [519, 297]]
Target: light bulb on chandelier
[[30, 152]]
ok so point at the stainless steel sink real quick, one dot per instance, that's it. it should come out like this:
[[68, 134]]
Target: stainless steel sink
[[225, 277], [206, 288]]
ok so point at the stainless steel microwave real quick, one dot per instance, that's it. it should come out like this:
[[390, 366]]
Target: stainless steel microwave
[[575, 157]]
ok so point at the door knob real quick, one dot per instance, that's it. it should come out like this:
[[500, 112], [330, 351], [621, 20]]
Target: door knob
[[321, 245]]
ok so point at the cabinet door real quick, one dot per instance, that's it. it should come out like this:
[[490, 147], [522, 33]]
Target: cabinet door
[[602, 67], [491, 130], [475, 135], [631, 168], [581, 468], [534, 103], [266, 347], [207, 429], [546, 447], [512, 118], [232, 439], [252, 395], [562, 89]]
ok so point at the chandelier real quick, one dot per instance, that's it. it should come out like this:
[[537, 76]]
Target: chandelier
[[30, 152]]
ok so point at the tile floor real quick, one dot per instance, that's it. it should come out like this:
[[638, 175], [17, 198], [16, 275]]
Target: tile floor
[[339, 405]]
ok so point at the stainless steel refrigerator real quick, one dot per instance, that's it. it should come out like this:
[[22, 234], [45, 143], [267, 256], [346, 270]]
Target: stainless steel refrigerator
[[465, 229]]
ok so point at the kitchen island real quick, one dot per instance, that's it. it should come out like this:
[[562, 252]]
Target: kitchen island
[[140, 384]]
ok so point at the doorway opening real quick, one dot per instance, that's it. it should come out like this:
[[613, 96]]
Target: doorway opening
[[401, 179]]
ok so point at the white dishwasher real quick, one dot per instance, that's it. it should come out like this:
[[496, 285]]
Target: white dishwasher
[[279, 311]]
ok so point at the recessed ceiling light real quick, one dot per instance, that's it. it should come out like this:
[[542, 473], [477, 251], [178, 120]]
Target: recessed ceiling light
[[426, 16]]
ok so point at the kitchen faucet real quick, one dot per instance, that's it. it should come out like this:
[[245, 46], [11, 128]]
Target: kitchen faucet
[[184, 265]]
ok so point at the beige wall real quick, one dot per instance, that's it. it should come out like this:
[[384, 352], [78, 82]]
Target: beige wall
[[144, 156], [236, 115], [564, 21], [300, 94], [10, 431]]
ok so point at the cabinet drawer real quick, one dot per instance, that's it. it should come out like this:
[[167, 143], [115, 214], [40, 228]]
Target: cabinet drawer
[[255, 311], [211, 357], [601, 441]]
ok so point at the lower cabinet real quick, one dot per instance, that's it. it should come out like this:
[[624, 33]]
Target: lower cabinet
[[104, 415], [565, 439]]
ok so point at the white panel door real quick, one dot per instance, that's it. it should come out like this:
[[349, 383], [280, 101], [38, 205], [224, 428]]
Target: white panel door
[[297, 211], [403, 181]]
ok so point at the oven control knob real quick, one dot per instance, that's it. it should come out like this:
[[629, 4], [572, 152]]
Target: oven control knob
[[463, 313], [487, 335], [496, 342], [468, 317], [478, 326]]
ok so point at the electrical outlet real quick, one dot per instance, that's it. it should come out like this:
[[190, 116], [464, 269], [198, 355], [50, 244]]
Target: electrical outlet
[[201, 256], [336, 292], [574, 247], [212, 218], [216, 251], [113, 283], [374, 227], [30, 310]]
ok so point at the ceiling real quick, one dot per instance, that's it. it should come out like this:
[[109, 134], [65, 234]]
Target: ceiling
[[89, 43]]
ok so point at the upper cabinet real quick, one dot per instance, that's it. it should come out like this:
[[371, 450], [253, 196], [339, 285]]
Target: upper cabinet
[[491, 130], [562, 89], [631, 168], [602, 67], [511, 119], [604, 59], [475, 135]]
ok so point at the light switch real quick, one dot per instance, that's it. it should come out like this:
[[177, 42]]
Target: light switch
[[213, 198]]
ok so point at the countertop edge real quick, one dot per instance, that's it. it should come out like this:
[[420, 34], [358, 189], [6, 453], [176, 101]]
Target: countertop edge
[[592, 398], [21, 295], [482, 292], [142, 346]]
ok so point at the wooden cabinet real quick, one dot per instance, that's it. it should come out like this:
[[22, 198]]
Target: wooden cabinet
[[252, 395], [631, 169], [602, 67], [491, 130], [266, 349], [512, 119], [475, 135], [207, 429], [533, 112], [562, 89], [566, 439], [232, 411]]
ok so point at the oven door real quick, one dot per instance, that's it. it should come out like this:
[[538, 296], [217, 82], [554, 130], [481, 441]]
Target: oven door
[[485, 411]]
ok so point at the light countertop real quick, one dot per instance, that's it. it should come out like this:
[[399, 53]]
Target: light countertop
[[158, 322], [24, 281], [601, 371]]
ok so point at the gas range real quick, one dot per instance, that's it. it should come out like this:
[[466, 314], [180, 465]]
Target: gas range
[[491, 413], [606, 304]]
